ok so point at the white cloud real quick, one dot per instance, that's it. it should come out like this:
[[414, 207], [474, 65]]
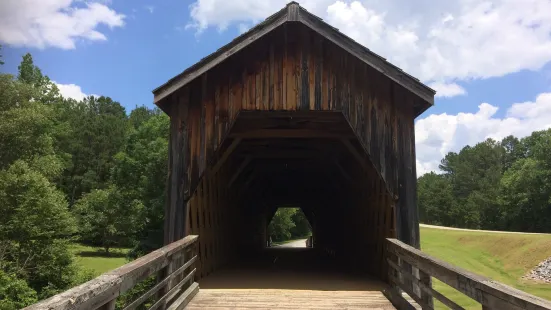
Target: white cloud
[[150, 8], [54, 23], [438, 134], [447, 89], [437, 41], [72, 91]]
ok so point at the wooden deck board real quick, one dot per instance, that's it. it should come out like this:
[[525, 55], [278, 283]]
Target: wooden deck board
[[287, 299], [290, 278]]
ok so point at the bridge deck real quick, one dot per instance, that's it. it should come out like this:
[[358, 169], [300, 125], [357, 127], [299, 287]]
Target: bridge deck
[[288, 299], [289, 279]]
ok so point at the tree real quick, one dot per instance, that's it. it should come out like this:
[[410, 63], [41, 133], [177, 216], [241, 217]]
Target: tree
[[96, 131], [106, 219], [281, 224], [302, 226], [435, 200], [474, 174], [139, 172], [525, 189], [15, 293], [35, 228], [31, 75], [26, 126]]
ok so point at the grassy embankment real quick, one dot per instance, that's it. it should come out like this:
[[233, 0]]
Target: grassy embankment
[[501, 257]]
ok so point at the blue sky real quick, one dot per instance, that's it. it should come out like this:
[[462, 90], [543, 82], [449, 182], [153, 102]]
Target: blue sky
[[489, 61]]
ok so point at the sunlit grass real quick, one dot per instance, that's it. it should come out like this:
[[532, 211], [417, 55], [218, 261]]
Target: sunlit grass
[[96, 260], [501, 257]]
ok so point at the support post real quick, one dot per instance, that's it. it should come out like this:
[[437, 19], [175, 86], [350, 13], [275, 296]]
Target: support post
[[178, 169]]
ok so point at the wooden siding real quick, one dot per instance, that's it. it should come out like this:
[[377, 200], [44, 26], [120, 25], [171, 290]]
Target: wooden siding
[[292, 68]]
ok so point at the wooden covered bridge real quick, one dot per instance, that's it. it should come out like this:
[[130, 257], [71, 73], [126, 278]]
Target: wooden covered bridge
[[292, 112]]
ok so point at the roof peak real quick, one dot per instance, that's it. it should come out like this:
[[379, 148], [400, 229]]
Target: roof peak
[[293, 12]]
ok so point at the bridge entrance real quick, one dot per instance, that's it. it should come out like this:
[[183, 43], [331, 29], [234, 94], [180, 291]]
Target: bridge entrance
[[293, 113], [309, 159]]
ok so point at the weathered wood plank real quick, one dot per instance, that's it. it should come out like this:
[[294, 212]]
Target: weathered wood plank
[[485, 291], [426, 288], [183, 300], [160, 285], [96, 292], [172, 293]]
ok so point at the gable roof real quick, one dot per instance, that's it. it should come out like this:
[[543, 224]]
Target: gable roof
[[293, 12]]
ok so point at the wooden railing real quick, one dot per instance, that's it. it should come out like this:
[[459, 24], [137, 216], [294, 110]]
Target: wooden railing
[[410, 270], [173, 288]]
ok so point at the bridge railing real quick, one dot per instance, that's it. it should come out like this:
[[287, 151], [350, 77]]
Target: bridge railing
[[173, 265], [410, 270]]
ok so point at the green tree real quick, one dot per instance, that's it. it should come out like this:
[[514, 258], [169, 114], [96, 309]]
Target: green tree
[[281, 224], [94, 130], [302, 226], [26, 126], [140, 115], [139, 172], [35, 228], [15, 293], [525, 191], [107, 219], [435, 200], [474, 174], [31, 75]]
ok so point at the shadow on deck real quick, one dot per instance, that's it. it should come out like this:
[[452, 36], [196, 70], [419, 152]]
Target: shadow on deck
[[289, 278]]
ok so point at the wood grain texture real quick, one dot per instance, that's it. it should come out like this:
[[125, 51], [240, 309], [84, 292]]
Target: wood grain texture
[[488, 293], [288, 299], [105, 288]]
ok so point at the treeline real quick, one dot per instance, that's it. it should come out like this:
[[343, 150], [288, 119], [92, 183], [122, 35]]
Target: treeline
[[72, 171], [288, 224], [493, 185]]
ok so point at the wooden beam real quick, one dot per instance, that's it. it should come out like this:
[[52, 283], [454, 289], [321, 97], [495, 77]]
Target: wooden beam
[[288, 133], [359, 158], [253, 175], [289, 154], [225, 156], [237, 172], [342, 171], [362, 161]]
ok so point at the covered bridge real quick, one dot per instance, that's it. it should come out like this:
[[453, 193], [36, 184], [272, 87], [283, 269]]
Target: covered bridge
[[291, 113]]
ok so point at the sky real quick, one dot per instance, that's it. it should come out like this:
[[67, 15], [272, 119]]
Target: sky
[[489, 60]]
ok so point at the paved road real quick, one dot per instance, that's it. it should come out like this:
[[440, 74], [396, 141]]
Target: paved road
[[294, 244]]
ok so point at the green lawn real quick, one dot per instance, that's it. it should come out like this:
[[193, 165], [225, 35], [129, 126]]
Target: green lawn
[[97, 261], [501, 257]]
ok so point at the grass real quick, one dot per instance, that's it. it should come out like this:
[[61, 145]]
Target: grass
[[501, 257], [96, 260]]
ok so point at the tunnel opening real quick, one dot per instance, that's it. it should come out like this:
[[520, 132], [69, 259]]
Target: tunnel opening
[[288, 227]]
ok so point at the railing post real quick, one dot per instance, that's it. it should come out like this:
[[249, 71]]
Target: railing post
[[427, 281], [161, 275], [407, 283]]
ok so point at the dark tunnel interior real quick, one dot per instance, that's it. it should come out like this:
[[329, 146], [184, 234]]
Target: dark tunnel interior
[[308, 160]]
